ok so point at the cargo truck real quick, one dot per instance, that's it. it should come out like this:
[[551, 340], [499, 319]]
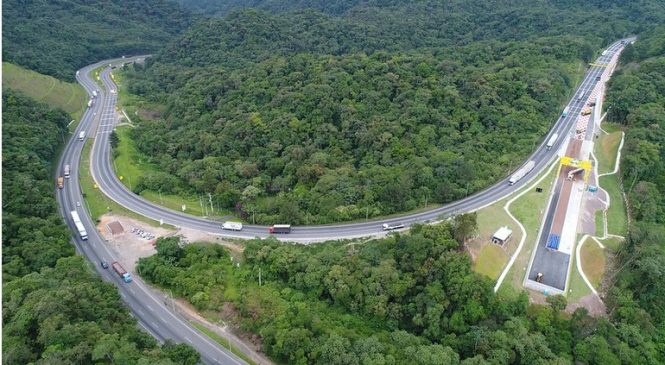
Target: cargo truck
[[551, 141], [67, 171], [565, 112], [586, 111], [232, 226], [522, 172], [279, 228], [391, 227], [61, 182], [89, 103], [124, 275]]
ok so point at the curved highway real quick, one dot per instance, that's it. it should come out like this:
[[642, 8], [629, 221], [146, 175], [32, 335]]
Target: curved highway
[[102, 169], [149, 307]]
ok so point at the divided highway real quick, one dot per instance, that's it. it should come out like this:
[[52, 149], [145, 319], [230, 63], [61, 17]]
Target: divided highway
[[146, 305], [150, 307], [101, 167]]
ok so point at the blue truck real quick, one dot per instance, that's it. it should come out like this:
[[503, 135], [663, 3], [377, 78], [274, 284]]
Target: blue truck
[[553, 241]]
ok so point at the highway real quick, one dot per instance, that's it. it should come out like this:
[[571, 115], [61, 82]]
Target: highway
[[102, 169], [148, 306]]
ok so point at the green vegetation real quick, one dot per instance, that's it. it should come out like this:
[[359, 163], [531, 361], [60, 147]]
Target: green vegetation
[[638, 104], [616, 213], [405, 299], [607, 147], [490, 261], [593, 260], [69, 97], [600, 223], [612, 243], [58, 37], [96, 202], [56, 310], [222, 341], [577, 288]]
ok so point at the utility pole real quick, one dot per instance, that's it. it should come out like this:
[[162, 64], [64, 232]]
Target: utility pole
[[259, 276]]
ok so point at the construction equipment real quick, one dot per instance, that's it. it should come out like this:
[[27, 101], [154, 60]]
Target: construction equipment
[[571, 175]]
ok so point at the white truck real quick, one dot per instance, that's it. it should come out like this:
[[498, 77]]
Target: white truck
[[392, 227], [232, 226], [79, 225], [90, 103], [550, 142], [94, 93], [519, 174], [81, 135]]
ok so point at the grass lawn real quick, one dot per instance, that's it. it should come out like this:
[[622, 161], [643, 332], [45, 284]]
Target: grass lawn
[[70, 97], [577, 287], [612, 243], [222, 341], [97, 203], [490, 261], [616, 213], [593, 262], [600, 225], [607, 147]]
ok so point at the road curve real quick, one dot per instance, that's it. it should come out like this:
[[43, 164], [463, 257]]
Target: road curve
[[101, 167], [147, 305]]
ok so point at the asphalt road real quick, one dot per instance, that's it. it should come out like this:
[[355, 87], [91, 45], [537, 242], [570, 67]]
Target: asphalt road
[[148, 306], [102, 170]]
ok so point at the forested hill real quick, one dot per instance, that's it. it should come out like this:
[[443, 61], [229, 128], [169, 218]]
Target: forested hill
[[303, 117], [57, 37], [55, 308]]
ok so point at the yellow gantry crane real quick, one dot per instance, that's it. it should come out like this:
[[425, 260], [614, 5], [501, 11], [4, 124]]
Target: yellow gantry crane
[[583, 164]]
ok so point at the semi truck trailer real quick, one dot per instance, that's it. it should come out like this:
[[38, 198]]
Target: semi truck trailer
[[519, 174], [124, 275], [279, 228]]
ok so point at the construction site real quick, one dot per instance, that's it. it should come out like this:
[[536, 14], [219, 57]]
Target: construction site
[[573, 197]]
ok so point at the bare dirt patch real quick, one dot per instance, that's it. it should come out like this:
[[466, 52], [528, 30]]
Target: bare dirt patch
[[592, 303], [129, 246]]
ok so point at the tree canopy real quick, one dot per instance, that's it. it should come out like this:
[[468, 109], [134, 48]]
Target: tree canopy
[[58, 37], [56, 310]]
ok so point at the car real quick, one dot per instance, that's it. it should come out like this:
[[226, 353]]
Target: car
[[78, 204], [105, 264], [597, 78]]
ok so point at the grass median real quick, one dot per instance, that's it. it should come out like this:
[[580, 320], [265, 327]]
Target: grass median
[[616, 213], [96, 202], [222, 341]]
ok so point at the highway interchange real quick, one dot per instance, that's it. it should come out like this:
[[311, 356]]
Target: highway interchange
[[150, 307]]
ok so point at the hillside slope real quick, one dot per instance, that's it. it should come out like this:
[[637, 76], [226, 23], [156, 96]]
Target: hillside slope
[[58, 37]]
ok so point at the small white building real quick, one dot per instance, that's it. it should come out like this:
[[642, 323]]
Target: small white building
[[502, 235]]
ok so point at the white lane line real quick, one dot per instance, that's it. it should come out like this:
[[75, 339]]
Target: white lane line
[[149, 307], [188, 339]]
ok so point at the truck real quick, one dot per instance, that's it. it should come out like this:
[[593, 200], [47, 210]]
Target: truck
[[61, 182], [89, 103], [232, 226], [392, 227], [81, 135], [279, 228], [586, 111], [550, 142], [79, 225], [553, 242], [124, 275], [565, 112], [67, 170], [94, 93], [519, 174], [604, 52]]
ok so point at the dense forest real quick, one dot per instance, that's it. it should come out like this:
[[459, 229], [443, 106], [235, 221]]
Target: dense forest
[[301, 117], [56, 310], [58, 37], [636, 100], [405, 299]]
